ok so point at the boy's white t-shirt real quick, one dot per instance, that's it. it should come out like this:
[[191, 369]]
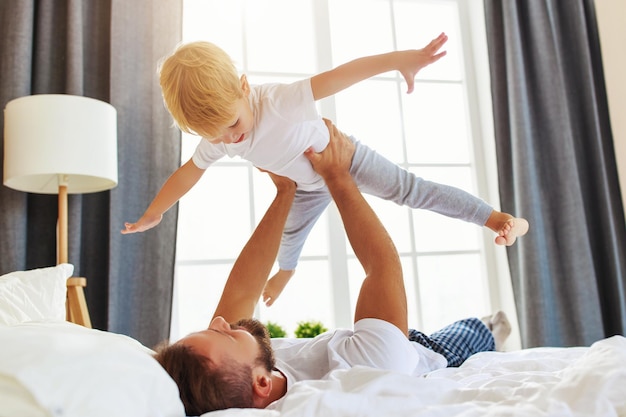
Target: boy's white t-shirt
[[286, 123], [374, 343]]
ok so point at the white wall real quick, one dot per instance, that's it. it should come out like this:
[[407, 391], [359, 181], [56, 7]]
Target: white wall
[[611, 16]]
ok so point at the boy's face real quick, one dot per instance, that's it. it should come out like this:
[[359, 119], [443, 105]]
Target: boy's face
[[237, 130]]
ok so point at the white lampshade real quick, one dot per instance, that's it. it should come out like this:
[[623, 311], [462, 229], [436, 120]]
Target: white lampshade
[[51, 139]]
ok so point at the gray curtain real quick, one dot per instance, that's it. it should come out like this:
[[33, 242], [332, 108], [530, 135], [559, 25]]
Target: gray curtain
[[108, 50], [557, 167]]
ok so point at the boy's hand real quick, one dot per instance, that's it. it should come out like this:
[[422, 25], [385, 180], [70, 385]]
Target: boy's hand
[[335, 160], [412, 61], [143, 224]]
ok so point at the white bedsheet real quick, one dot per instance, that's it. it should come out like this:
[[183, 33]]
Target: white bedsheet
[[583, 381]]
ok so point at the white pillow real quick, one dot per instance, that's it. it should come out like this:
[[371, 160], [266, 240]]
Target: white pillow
[[34, 295], [73, 371], [17, 401]]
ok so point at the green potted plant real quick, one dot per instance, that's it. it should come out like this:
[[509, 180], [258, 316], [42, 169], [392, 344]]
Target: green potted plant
[[309, 329], [275, 330]]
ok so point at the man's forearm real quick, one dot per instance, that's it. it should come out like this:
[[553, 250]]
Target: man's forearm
[[382, 294], [368, 237], [254, 264]]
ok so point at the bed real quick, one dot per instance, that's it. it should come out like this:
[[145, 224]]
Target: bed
[[49, 367]]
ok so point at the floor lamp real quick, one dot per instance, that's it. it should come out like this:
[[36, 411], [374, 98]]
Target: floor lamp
[[61, 144]]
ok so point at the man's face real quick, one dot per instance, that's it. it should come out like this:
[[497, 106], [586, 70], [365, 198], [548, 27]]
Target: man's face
[[258, 330], [244, 342]]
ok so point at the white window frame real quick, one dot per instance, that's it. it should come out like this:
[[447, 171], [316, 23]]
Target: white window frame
[[472, 29]]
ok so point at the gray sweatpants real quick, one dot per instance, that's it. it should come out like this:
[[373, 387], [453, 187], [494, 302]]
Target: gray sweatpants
[[380, 177]]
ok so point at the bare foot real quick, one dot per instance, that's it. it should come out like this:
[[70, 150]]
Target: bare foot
[[275, 285], [500, 327], [511, 230], [506, 227]]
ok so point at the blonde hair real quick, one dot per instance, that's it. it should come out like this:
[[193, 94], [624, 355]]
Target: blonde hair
[[200, 88]]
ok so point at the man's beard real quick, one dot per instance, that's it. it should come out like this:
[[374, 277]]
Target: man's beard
[[260, 333]]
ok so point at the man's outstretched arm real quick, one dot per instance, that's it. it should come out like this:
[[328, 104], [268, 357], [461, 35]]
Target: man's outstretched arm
[[254, 264], [382, 293]]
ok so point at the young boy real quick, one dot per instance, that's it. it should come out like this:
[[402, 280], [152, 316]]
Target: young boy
[[272, 125]]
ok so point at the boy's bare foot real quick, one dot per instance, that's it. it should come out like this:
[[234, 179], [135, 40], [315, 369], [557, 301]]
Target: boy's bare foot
[[511, 230], [275, 285], [500, 327], [507, 227]]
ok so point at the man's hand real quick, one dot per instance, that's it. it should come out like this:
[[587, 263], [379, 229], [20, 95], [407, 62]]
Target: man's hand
[[335, 160], [281, 183]]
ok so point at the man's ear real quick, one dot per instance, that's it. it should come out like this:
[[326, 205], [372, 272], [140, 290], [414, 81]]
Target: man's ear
[[261, 385], [244, 85]]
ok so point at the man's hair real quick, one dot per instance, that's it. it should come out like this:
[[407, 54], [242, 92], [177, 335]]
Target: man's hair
[[203, 385], [200, 88]]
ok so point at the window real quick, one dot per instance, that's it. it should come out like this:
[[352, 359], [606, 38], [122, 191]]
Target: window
[[448, 264]]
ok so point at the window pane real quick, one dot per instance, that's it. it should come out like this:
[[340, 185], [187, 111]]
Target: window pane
[[306, 297], [396, 220], [216, 21], [437, 233], [418, 22], [317, 242], [355, 279], [359, 28], [451, 288], [436, 124], [370, 110], [415, 319], [279, 35], [214, 221], [198, 290]]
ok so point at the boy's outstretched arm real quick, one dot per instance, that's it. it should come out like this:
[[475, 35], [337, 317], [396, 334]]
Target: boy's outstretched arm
[[408, 62], [176, 186]]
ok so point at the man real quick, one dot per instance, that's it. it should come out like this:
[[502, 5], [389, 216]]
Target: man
[[235, 365]]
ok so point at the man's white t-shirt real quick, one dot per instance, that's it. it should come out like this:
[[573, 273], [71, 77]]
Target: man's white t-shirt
[[374, 343], [286, 123]]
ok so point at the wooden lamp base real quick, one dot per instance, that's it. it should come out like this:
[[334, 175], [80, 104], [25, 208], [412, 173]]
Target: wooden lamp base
[[76, 304]]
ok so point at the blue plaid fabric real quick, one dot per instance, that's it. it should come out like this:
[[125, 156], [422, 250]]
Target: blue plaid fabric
[[457, 341]]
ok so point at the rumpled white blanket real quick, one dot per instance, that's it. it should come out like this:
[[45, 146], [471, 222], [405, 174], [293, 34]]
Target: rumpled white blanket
[[555, 382]]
